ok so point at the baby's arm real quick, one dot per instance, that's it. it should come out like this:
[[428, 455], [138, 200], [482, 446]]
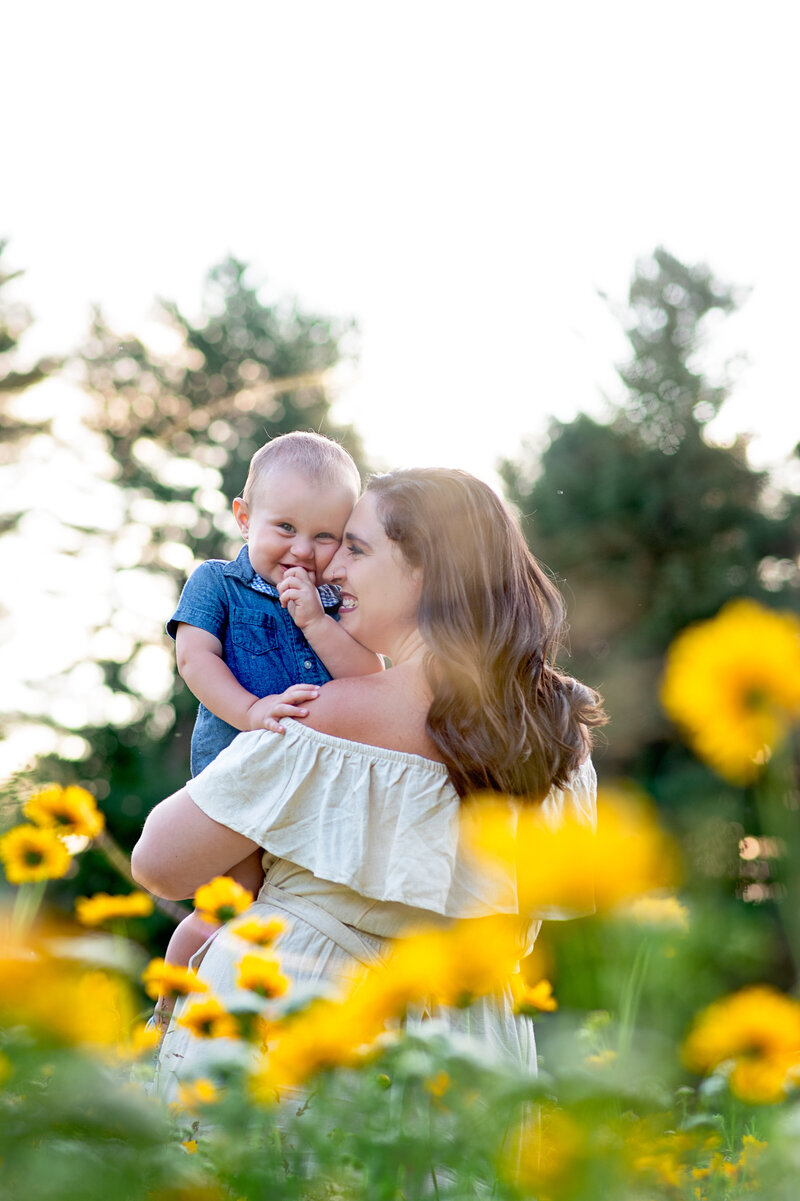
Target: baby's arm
[[190, 935], [340, 653], [200, 664]]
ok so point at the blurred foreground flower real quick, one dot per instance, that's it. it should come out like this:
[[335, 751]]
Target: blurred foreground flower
[[733, 685], [71, 810], [566, 869], [62, 999], [162, 979], [757, 1032], [532, 999], [261, 974], [222, 899], [664, 912], [209, 1019], [101, 908], [30, 854], [545, 1152], [449, 966], [197, 1093], [255, 930]]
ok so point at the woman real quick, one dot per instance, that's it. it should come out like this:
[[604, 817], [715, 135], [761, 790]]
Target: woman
[[357, 805]]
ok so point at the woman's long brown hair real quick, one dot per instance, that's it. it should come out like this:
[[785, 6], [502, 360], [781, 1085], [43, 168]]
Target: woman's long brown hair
[[502, 717]]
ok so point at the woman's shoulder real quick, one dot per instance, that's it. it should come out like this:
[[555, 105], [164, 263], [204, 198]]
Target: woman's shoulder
[[387, 710]]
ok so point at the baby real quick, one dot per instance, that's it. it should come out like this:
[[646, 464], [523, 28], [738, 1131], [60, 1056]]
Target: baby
[[248, 632]]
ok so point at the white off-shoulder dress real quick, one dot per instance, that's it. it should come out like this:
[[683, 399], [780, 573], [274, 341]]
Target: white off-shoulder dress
[[361, 844]]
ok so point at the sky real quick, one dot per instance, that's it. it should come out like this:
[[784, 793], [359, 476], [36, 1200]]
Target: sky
[[460, 178], [463, 179]]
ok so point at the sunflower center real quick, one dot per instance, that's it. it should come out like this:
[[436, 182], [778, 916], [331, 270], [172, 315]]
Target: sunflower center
[[756, 700], [33, 858]]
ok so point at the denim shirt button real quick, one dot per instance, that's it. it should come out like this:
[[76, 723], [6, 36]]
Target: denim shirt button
[[308, 665]]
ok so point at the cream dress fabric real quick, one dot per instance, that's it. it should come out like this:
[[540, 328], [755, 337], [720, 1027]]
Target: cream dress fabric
[[361, 844]]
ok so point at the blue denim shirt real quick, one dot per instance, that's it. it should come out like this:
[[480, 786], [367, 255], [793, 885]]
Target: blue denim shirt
[[262, 646]]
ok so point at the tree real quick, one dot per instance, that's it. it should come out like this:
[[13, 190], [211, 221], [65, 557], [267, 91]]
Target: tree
[[647, 524], [179, 428]]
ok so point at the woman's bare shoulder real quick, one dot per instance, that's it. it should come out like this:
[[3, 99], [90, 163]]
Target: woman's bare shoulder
[[377, 710]]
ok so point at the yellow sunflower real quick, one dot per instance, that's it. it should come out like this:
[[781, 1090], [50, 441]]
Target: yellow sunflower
[[757, 1032], [198, 1092], [260, 933], [72, 810], [162, 979], [531, 999], [566, 866], [209, 1019], [222, 899], [29, 853], [261, 974], [94, 911], [733, 685]]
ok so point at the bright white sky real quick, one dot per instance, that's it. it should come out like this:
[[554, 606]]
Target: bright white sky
[[459, 177]]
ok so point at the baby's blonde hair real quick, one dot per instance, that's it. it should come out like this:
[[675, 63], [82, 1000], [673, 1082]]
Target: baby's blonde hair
[[319, 459]]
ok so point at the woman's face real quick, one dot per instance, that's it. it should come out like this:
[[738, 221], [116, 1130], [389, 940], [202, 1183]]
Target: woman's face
[[380, 590]]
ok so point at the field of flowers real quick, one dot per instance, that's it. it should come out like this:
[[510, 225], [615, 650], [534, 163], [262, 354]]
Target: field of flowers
[[667, 1021]]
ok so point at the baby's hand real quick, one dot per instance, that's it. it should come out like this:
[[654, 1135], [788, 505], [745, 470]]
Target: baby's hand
[[263, 714], [299, 595]]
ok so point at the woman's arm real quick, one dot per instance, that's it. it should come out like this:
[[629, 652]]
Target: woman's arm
[[181, 848]]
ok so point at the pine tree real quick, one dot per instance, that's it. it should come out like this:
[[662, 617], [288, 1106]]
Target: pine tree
[[647, 525]]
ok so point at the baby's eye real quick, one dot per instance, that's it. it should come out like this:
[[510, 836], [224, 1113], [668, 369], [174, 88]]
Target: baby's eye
[[284, 525], [328, 538]]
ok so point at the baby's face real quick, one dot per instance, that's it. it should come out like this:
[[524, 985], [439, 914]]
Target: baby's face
[[293, 521]]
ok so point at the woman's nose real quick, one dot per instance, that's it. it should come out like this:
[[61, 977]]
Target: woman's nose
[[334, 573]]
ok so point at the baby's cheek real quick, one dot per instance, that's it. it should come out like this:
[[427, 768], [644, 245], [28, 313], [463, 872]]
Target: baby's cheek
[[324, 556]]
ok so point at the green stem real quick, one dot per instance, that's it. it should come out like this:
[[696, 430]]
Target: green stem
[[26, 906], [775, 800], [629, 1006]]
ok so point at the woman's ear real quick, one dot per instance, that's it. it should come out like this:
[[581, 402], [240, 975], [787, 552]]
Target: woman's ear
[[242, 516]]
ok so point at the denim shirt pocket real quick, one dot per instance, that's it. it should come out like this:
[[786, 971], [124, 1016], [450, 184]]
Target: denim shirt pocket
[[253, 632]]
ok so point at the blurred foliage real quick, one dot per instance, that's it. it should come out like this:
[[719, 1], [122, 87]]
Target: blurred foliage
[[646, 525], [180, 426], [15, 429]]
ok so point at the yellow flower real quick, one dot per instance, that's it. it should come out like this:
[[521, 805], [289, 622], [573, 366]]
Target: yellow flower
[[666, 912], [448, 966], [757, 1033], [197, 1093], [29, 854], [162, 979], [544, 1151], [209, 1019], [438, 1085], [72, 810], [326, 1034], [222, 899], [190, 1146], [60, 999], [530, 999], [733, 685], [568, 866], [94, 911], [144, 1038], [260, 933], [601, 1059], [261, 974]]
